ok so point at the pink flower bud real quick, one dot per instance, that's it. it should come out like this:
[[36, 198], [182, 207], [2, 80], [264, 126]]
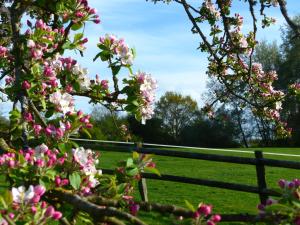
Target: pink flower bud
[[11, 163], [59, 133], [85, 40], [35, 199], [68, 125], [216, 218], [37, 129], [196, 215], [28, 117], [11, 215], [89, 125], [57, 181], [134, 208], [40, 163], [209, 222], [61, 160], [93, 11], [79, 14], [64, 182], [97, 21], [205, 209], [79, 113], [57, 215], [69, 88], [33, 209], [26, 85], [49, 211], [261, 207], [39, 190], [281, 183], [104, 84], [43, 205]]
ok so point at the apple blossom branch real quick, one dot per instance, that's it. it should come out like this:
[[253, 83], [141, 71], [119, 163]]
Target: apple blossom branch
[[92, 209]]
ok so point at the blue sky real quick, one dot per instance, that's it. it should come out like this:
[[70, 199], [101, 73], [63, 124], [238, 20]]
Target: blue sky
[[165, 46]]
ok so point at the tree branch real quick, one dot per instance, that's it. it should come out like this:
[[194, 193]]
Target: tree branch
[[291, 23], [92, 209]]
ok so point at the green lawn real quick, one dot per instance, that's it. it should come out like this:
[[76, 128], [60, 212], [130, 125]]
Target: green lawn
[[224, 201]]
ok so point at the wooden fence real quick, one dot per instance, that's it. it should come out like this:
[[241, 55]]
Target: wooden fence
[[259, 162]]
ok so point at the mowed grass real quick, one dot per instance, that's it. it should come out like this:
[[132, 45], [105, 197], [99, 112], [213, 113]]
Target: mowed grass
[[224, 201]]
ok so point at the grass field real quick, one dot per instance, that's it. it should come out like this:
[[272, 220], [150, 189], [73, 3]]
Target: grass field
[[224, 201]]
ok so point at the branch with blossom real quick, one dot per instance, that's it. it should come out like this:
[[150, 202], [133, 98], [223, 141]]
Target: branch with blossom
[[230, 51]]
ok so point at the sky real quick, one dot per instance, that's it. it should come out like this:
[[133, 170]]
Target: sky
[[165, 46]]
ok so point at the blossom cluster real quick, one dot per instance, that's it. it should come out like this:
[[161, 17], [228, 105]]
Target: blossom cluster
[[203, 213], [147, 87], [119, 48], [284, 210], [42, 160], [209, 11], [87, 160], [27, 203], [82, 13]]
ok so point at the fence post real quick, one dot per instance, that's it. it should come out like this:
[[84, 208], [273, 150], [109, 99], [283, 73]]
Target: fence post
[[142, 185], [261, 178], [143, 189]]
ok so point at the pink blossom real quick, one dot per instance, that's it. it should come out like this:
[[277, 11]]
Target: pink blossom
[[39, 190], [49, 211], [56, 215], [37, 129], [104, 84], [205, 209], [26, 85], [3, 51], [28, 117]]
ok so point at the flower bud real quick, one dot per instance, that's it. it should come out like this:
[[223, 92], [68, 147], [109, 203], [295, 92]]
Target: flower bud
[[49, 211], [216, 218], [39, 190], [57, 215]]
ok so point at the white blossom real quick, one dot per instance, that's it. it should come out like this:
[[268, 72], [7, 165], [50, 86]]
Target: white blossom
[[20, 194]]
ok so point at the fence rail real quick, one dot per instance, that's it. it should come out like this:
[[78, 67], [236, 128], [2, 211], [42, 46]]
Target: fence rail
[[259, 162]]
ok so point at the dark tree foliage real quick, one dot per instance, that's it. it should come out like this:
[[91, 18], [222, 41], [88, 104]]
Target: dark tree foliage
[[220, 132], [151, 132]]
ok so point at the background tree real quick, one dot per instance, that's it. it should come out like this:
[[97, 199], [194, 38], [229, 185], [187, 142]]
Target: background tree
[[220, 132], [176, 111], [106, 124]]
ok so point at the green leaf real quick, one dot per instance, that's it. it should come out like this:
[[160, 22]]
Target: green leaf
[[3, 202], [189, 205], [152, 170], [115, 69], [135, 155], [49, 113], [65, 147], [51, 174], [75, 180], [78, 37], [8, 198], [129, 162], [74, 144], [85, 131], [76, 26], [121, 188], [132, 172], [135, 102], [97, 56], [76, 86], [104, 55], [43, 102]]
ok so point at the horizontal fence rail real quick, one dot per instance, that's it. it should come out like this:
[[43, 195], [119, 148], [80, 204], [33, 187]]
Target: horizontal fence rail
[[258, 161]]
